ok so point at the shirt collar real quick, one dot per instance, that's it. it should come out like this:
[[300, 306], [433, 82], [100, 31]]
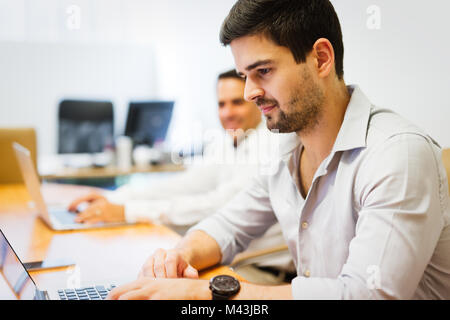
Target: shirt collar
[[353, 131]]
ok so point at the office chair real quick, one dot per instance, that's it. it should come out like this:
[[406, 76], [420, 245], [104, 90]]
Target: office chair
[[250, 257], [85, 126], [446, 161], [9, 169]]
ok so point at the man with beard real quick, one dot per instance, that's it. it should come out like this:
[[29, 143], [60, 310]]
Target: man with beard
[[361, 197]]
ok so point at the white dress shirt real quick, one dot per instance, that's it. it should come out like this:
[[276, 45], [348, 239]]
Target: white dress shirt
[[208, 184], [375, 222]]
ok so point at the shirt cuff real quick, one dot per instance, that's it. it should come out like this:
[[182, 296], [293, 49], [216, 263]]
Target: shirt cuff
[[341, 288], [304, 288], [119, 196]]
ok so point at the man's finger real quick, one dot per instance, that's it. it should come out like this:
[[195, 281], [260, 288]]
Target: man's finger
[[92, 214], [147, 269], [140, 294], [115, 293], [84, 216], [158, 264], [88, 198], [190, 272], [171, 264]]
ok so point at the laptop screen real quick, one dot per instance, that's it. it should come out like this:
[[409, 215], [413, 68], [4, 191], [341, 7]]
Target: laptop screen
[[13, 271], [31, 179]]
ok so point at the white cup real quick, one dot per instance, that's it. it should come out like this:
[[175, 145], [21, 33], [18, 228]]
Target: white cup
[[124, 146]]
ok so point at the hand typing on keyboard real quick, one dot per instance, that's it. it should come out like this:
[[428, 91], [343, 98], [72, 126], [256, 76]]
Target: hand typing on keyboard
[[95, 208]]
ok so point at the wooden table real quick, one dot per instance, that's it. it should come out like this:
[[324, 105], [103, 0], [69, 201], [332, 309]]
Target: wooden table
[[111, 255], [108, 172]]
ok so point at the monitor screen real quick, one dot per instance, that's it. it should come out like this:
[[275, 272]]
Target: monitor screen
[[148, 121], [85, 126]]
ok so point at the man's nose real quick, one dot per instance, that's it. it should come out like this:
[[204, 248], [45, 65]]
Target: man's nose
[[252, 90], [227, 111]]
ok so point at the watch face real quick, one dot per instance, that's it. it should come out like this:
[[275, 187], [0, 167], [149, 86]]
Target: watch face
[[225, 285]]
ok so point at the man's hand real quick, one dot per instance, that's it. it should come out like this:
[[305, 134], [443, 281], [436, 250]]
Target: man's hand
[[168, 264], [99, 210], [190, 289], [162, 289]]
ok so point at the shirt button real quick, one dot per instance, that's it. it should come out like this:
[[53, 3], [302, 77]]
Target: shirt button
[[307, 273], [304, 225]]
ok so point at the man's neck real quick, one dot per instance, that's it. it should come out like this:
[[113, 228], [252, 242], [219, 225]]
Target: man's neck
[[318, 141], [240, 136]]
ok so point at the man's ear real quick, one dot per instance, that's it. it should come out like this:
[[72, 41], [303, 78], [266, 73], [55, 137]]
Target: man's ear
[[323, 53]]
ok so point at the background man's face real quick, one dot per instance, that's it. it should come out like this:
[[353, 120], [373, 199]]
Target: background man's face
[[287, 93], [234, 112]]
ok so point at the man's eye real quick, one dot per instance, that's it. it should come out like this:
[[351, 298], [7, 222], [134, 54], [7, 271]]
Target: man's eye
[[263, 71]]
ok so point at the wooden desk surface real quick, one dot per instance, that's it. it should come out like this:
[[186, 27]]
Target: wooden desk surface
[[107, 172], [110, 255]]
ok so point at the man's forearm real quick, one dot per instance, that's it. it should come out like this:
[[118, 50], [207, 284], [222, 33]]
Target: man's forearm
[[257, 292], [200, 250]]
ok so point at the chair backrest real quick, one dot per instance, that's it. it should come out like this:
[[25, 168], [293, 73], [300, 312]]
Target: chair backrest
[[85, 126], [9, 168], [446, 161]]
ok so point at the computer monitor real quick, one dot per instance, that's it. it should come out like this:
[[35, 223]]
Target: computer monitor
[[148, 121], [85, 126]]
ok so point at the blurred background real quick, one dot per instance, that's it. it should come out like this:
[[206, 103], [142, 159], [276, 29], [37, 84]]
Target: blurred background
[[148, 50]]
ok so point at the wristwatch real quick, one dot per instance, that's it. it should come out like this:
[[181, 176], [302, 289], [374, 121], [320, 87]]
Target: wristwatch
[[223, 287]]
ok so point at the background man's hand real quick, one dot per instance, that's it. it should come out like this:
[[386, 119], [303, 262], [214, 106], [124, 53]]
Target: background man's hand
[[168, 264], [99, 210]]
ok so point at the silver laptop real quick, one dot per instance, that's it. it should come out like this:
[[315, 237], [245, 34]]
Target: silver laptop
[[57, 218], [24, 288]]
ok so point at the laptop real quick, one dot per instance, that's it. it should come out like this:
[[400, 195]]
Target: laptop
[[57, 218], [24, 287]]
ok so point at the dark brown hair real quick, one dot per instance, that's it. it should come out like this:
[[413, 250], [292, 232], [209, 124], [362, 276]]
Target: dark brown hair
[[295, 24]]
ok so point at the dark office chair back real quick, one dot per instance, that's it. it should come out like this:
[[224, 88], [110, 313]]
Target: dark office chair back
[[85, 126], [148, 121]]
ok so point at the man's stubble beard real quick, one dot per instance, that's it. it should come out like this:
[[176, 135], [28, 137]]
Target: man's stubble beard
[[304, 109]]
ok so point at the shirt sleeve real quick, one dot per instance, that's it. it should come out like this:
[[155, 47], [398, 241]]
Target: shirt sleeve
[[398, 193], [169, 198], [246, 217], [186, 210]]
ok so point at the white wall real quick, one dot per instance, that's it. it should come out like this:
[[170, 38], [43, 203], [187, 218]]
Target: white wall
[[170, 50], [40, 75], [405, 64]]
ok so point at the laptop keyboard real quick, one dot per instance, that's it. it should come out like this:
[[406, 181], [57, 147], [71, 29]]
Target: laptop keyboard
[[89, 293]]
